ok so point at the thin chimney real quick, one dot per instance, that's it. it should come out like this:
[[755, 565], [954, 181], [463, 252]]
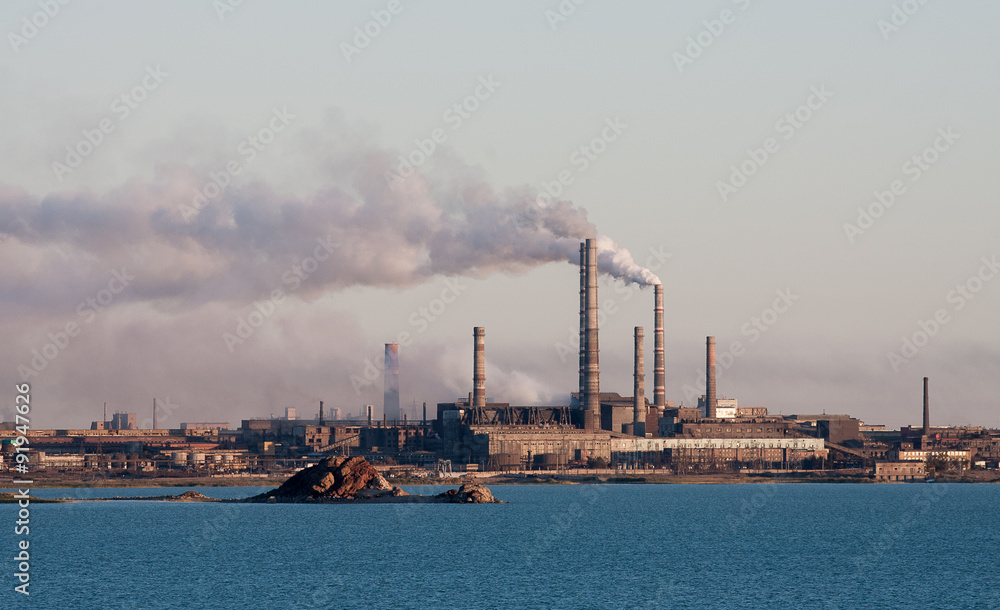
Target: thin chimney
[[710, 400], [592, 405], [479, 368], [583, 322], [390, 399], [927, 411], [659, 383], [639, 387]]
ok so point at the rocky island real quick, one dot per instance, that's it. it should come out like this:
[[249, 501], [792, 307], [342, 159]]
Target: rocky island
[[340, 479]]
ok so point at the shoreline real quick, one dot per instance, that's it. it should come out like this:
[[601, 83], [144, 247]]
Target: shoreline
[[62, 482]]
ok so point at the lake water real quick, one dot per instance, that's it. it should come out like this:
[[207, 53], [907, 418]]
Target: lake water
[[579, 546]]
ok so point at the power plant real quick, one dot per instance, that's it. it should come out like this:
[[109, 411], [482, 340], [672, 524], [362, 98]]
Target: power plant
[[610, 427]]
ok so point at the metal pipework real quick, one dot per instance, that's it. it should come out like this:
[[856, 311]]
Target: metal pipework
[[479, 368]]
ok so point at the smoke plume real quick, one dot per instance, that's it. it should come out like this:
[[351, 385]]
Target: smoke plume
[[249, 238]]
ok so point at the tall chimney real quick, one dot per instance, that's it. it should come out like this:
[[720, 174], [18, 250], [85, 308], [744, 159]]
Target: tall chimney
[[370, 414], [479, 368], [927, 411], [710, 401], [583, 322], [592, 405], [639, 387], [153, 426], [424, 421], [105, 413], [390, 402], [659, 384], [321, 412]]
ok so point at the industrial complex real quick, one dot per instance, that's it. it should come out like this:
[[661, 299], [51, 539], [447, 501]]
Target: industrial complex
[[596, 430]]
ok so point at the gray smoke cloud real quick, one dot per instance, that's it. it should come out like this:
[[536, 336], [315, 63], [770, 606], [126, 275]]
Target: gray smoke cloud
[[238, 244]]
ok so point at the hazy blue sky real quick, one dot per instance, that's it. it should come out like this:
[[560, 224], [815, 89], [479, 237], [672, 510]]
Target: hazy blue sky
[[671, 116]]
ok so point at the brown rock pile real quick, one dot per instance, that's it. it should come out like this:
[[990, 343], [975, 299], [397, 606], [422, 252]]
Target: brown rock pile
[[471, 493], [335, 477]]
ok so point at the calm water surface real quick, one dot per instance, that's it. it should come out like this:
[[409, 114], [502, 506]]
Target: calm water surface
[[581, 546]]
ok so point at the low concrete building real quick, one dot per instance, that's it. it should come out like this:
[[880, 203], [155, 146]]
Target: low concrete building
[[900, 471]]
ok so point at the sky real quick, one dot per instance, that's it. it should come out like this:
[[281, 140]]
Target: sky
[[232, 206]]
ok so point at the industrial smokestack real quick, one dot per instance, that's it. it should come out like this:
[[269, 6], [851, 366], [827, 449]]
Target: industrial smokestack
[[592, 404], [153, 425], [927, 411], [659, 383], [105, 412], [390, 401], [321, 412], [583, 322], [370, 415], [479, 368], [639, 389], [710, 401]]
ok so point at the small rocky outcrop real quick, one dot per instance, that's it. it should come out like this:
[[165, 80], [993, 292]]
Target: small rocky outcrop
[[343, 479], [471, 493], [335, 477]]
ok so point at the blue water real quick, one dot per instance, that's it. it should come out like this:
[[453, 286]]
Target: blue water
[[589, 546]]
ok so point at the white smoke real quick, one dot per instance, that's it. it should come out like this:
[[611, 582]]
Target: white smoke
[[618, 262], [245, 242]]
